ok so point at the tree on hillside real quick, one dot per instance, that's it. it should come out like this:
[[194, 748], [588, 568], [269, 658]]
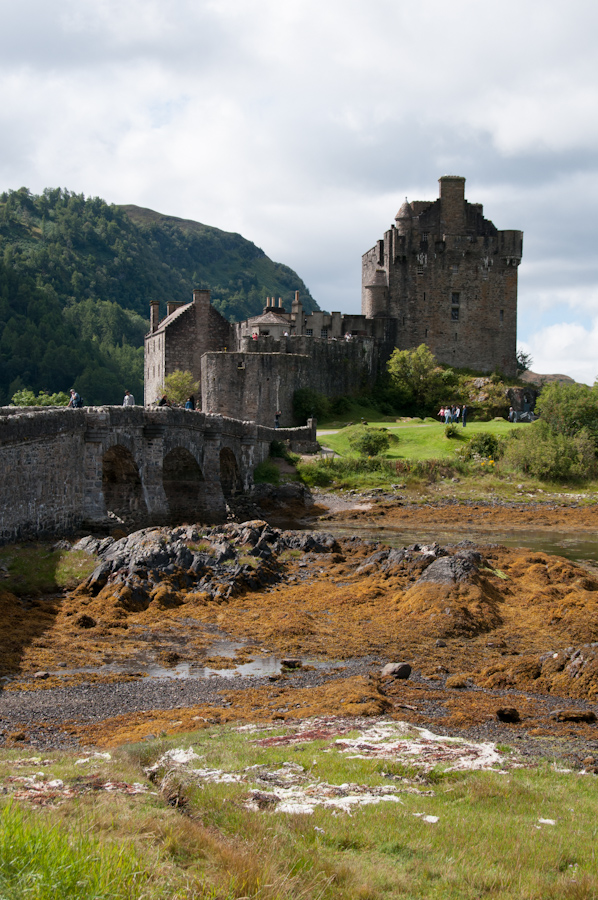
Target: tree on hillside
[[524, 361], [76, 278], [419, 378], [28, 398]]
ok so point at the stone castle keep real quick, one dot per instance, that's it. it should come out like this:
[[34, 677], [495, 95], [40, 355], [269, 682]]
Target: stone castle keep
[[443, 275]]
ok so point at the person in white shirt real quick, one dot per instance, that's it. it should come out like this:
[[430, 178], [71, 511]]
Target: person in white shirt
[[129, 399]]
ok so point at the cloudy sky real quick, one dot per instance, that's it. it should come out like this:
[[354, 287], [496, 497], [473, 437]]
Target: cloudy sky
[[303, 125]]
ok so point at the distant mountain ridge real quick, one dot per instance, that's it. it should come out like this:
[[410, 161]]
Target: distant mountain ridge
[[77, 276]]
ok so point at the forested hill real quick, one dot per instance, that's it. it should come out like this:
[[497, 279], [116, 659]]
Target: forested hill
[[77, 276]]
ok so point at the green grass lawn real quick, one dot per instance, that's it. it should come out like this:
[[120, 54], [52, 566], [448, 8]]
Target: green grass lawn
[[417, 439], [428, 465]]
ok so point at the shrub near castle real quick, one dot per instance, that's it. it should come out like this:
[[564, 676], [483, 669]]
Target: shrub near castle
[[370, 441]]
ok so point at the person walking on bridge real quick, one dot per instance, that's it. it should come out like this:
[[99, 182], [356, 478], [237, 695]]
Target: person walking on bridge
[[129, 399]]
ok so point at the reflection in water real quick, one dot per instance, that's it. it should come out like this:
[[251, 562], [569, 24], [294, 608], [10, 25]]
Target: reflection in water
[[577, 546], [145, 665]]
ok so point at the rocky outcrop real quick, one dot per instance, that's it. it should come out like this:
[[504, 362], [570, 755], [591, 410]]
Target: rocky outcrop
[[222, 560]]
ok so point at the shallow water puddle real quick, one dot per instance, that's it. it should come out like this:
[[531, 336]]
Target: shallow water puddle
[[578, 547], [145, 665]]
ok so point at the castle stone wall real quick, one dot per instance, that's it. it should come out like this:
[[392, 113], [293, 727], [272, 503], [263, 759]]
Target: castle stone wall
[[41, 482], [256, 384]]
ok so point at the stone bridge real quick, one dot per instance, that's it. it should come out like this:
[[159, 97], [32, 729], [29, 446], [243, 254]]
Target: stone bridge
[[63, 468]]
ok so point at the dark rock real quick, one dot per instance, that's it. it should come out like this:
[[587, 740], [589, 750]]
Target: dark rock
[[85, 621], [396, 670], [310, 541], [394, 558], [184, 558], [223, 551], [372, 562], [291, 663], [282, 495], [451, 569], [440, 643], [249, 536], [508, 714], [98, 578]]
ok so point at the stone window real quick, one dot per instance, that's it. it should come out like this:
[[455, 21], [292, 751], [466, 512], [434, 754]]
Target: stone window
[[502, 316], [309, 332], [420, 270], [455, 269], [455, 301], [324, 333]]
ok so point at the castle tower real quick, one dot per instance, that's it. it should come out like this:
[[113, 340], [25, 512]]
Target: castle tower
[[452, 204], [376, 296], [447, 278]]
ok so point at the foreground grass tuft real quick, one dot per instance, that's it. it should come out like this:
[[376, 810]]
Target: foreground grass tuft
[[40, 861]]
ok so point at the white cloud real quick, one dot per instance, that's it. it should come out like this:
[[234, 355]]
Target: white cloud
[[566, 348], [303, 125]]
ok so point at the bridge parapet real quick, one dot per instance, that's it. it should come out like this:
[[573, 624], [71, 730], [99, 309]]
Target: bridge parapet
[[60, 467]]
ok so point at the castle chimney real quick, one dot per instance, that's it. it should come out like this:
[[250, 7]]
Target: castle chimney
[[280, 303], [201, 295], [154, 315], [172, 306], [452, 203]]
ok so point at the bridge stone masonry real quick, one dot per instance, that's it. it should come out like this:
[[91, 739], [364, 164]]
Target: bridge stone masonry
[[61, 469]]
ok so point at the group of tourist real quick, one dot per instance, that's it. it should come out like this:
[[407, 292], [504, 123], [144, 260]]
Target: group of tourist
[[76, 402], [451, 414]]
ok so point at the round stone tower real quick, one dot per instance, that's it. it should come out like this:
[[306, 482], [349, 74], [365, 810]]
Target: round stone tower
[[404, 218], [376, 295]]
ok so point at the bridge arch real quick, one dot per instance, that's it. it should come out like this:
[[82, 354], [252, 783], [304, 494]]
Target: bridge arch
[[121, 483], [230, 474], [184, 485]]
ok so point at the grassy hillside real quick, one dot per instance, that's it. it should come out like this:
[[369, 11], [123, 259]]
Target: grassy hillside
[[77, 276]]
